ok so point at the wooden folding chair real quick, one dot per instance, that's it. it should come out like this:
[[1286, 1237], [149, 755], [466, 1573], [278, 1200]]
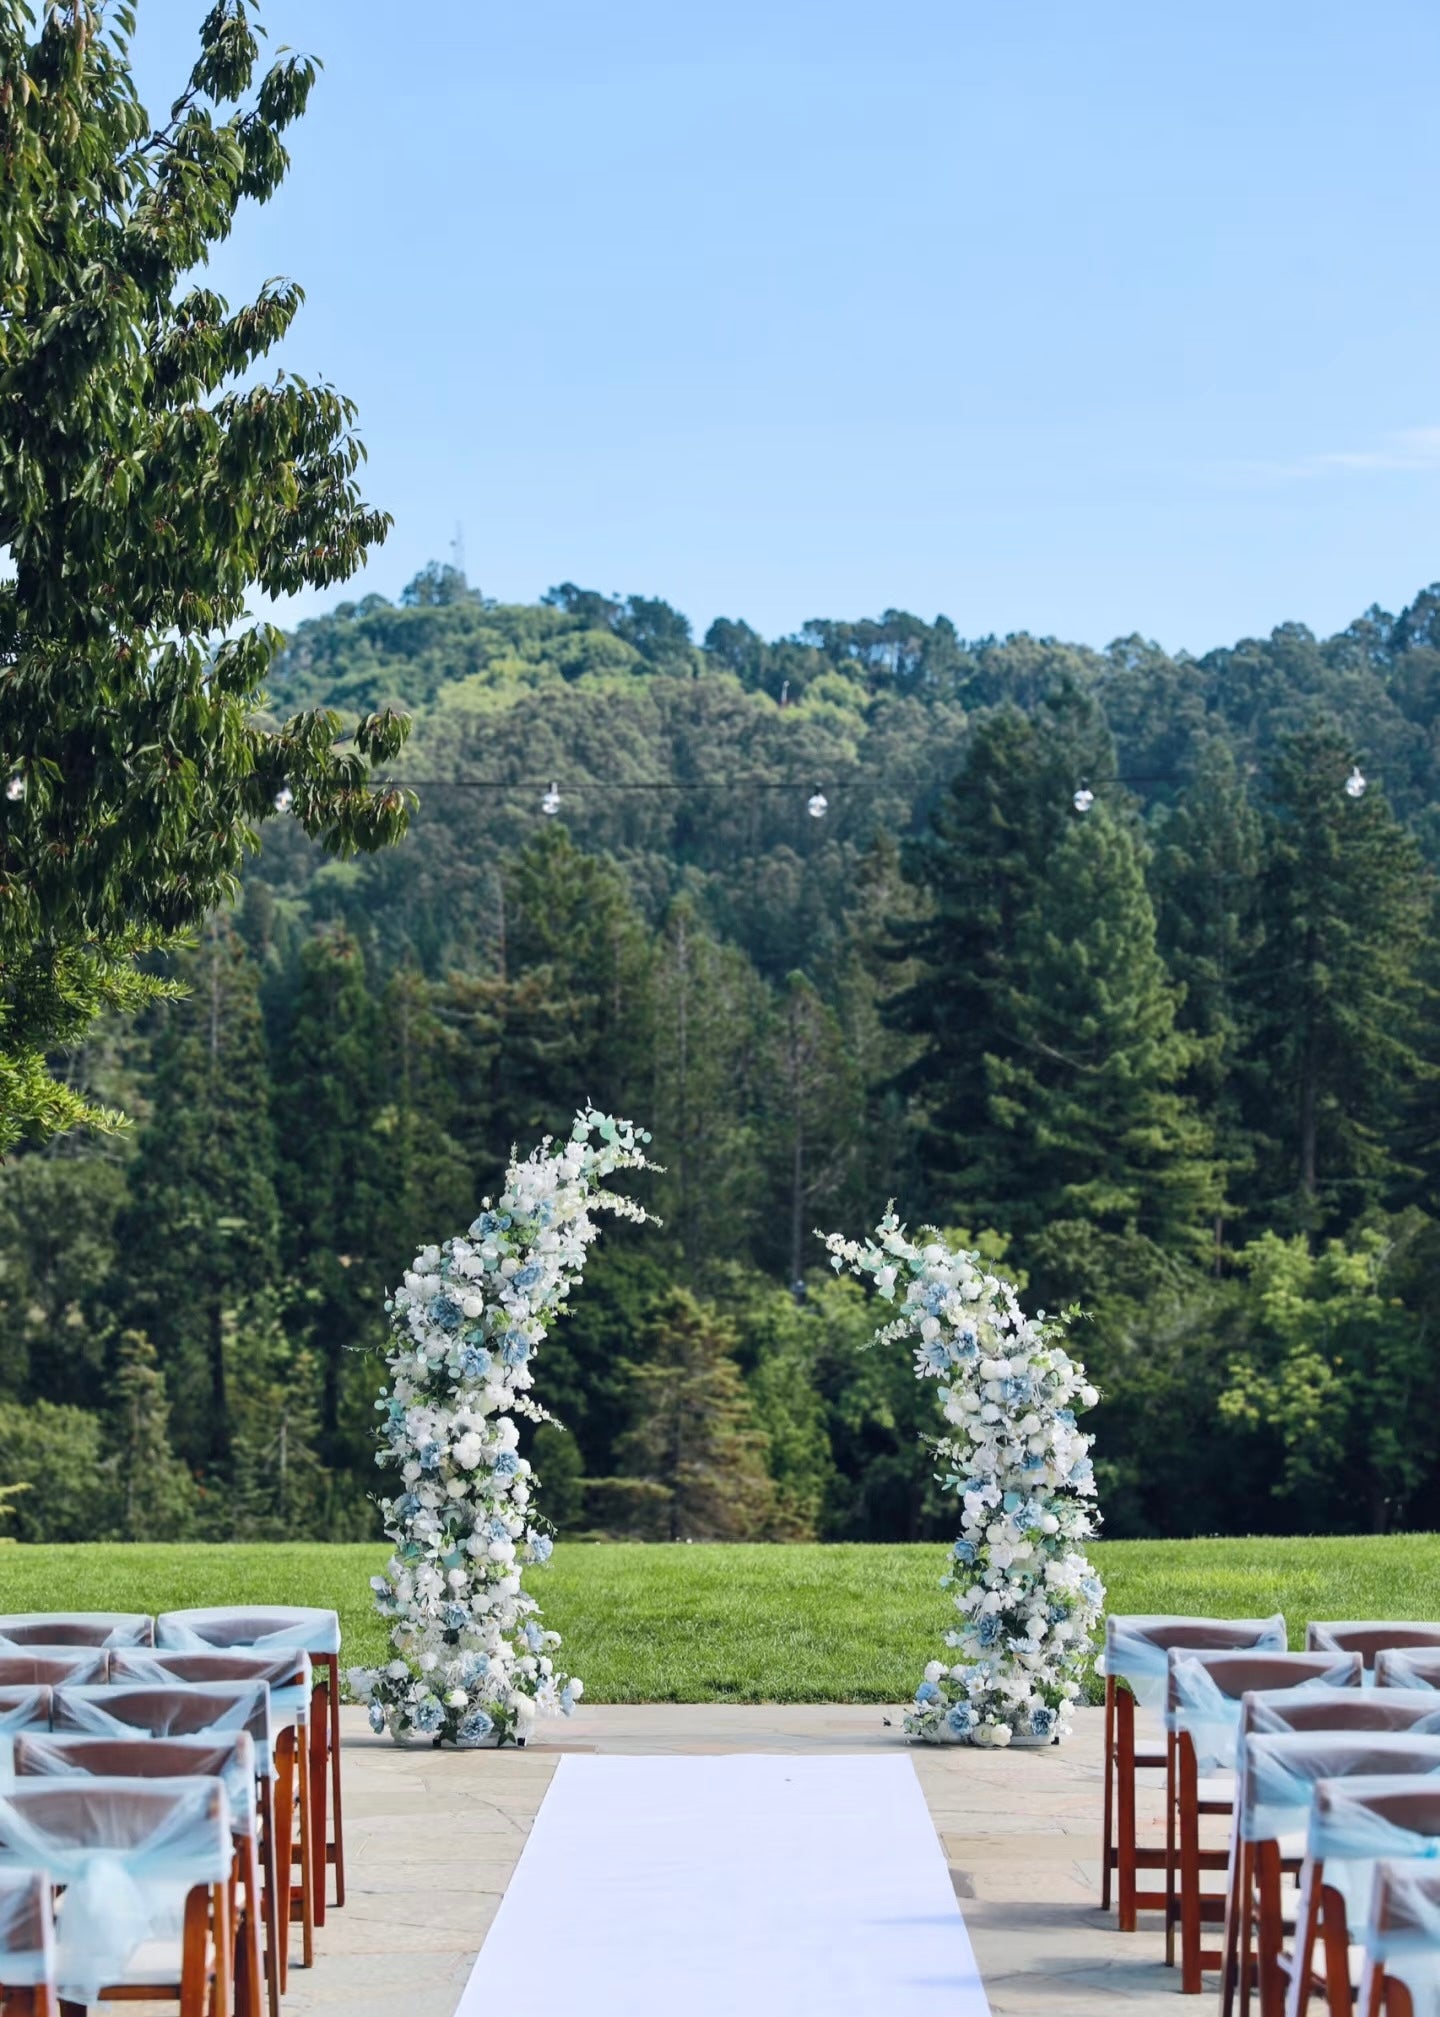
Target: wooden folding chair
[[160, 1835], [231, 1759], [76, 1628], [1136, 1649], [1354, 1823], [308, 1629], [1370, 1636], [1402, 1942], [1203, 1710], [287, 1675], [175, 1710], [1278, 1773], [28, 1983], [53, 1666]]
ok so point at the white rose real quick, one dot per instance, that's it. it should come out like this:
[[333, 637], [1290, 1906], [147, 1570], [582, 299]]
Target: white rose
[[499, 1551], [457, 1579], [397, 1670], [473, 1306]]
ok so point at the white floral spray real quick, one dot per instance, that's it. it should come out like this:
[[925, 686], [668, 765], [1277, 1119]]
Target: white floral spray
[[471, 1662], [1027, 1597]]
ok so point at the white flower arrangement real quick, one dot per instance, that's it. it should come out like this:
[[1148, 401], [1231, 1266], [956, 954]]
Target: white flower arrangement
[[1027, 1597], [472, 1664]]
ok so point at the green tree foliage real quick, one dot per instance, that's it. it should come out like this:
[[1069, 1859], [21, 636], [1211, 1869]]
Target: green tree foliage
[[1337, 1002], [693, 1459], [334, 1180], [1338, 1373], [147, 483], [154, 1495], [1080, 1030], [200, 1231], [55, 1452]]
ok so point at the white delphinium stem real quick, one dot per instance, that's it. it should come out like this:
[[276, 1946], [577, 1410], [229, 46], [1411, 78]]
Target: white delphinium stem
[[1028, 1600], [471, 1663]]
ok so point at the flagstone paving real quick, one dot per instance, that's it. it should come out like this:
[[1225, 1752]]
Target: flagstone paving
[[432, 1838]]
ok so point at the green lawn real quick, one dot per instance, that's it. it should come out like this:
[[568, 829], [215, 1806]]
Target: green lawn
[[748, 1624]]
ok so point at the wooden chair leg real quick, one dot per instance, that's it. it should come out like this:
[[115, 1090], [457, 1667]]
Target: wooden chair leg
[[335, 1796], [1237, 1890], [319, 1766], [270, 1891], [221, 1994], [249, 1956], [1335, 1937], [1107, 1830], [1307, 1926], [1270, 1929], [1188, 1823], [1125, 1806], [194, 1954], [1172, 1795], [285, 1767]]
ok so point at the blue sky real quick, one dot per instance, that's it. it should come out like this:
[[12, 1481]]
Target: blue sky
[[1075, 319]]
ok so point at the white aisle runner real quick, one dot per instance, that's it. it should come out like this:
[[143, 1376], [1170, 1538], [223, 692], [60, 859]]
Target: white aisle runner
[[729, 1887]]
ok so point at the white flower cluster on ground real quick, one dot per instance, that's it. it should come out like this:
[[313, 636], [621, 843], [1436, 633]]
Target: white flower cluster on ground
[[471, 1661], [1027, 1597]]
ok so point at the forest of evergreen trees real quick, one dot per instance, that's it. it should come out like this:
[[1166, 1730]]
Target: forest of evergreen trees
[[1173, 1056]]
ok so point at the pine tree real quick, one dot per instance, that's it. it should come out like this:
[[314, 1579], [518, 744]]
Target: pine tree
[[155, 1497], [1206, 878], [983, 866], [282, 1490], [334, 1177], [694, 1444], [708, 1006], [199, 1237], [812, 1120], [428, 1177], [1093, 1157], [1338, 1002]]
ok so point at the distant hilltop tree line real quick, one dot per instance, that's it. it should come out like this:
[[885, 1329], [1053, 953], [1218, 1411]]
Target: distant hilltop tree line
[[1173, 1057]]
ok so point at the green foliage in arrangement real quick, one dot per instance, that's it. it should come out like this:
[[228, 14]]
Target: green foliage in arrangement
[[148, 483], [749, 1624]]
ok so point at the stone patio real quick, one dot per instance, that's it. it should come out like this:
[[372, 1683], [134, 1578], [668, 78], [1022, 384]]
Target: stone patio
[[432, 1837]]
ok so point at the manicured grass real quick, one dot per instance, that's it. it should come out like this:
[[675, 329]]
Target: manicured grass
[[748, 1624]]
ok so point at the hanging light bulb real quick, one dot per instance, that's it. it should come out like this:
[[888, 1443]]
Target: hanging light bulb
[[550, 804], [817, 805], [1084, 799], [1355, 783], [284, 799], [15, 789]]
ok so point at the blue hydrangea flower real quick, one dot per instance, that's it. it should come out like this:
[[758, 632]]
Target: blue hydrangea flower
[[476, 1725], [473, 1667], [407, 1505], [454, 1617], [534, 1637], [1042, 1722], [517, 1348], [541, 1547], [1015, 1388], [528, 1277], [1033, 1460], [1092, 1589], [475, 1362], [497, 1529], [935, 1357], [989, 1630], [1067, 1416], [447, 1313], [567, 1701], [1082, 1472], [963, 1550], [427, 1716], [961, 1720], [507, 1464], [927, 1692], [429, 1456], [377, 1717], [482, 1227]]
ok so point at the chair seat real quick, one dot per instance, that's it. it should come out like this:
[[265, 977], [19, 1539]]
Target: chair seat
[[1217, 1789]]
